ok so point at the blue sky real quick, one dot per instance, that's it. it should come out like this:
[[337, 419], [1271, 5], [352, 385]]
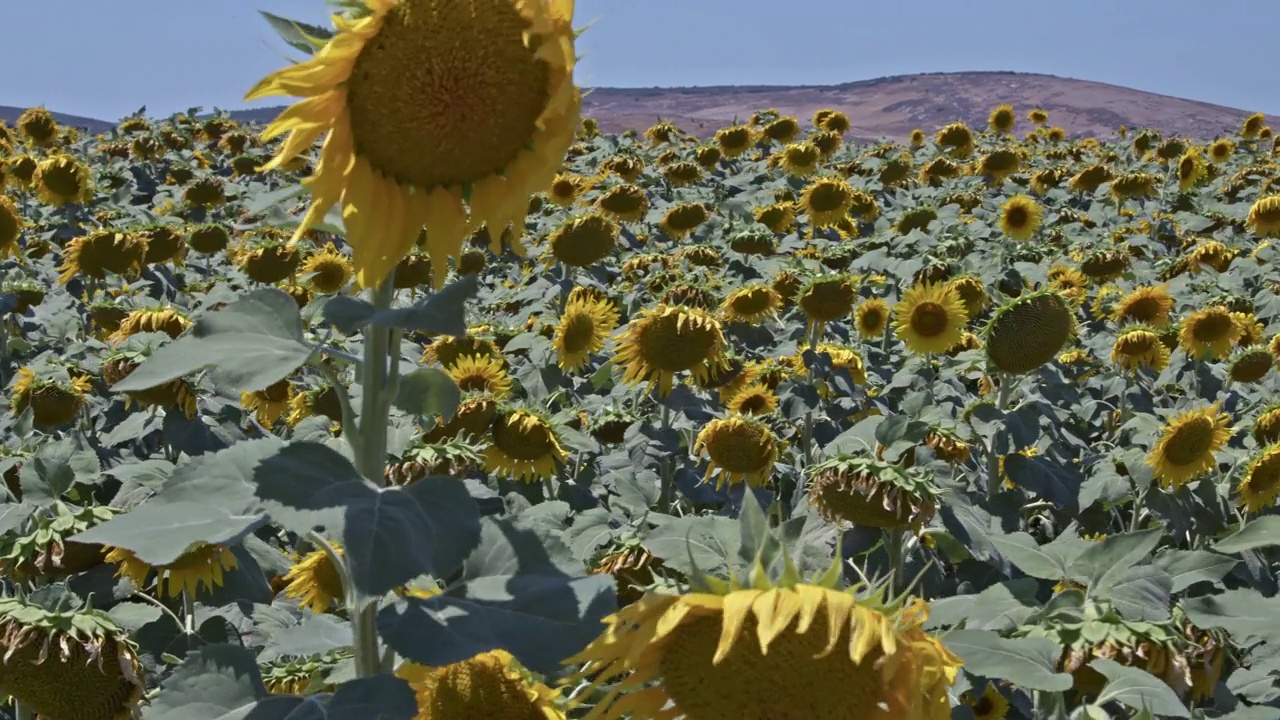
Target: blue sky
[[105, 59]]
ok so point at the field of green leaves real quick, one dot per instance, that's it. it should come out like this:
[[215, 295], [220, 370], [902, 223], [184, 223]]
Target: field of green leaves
[[767, 425]]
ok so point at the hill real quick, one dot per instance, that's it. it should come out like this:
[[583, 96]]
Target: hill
[[885, 107]]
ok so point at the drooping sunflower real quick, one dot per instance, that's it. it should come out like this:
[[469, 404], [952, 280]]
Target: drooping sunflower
[[584, 327], [738, 447], [1088, 180], [660, 342], [683, 218], [800, 159], [400, 151], [178, 394], [11, 225], [38, 126], [1002, 119], [480, 373], [1210, 332], [1191, 169], [871, 317], [844, 358], [761, 648], [827, 200], [998, 165], [778, 217], [1252, 126], [1029, 331], [270, 403], [734, 140], [201, 565], [628, 166], [565, 189], [584, 240], [65, 660], [827, 299], [60, 180], [165, 319], [930, 318], [1134, 185], [314, 580], [208, 238], [872, 493], [1149, 305], [53, 398], [523, 446], [625, 202], [1038, 116], [972, 292], [1264, 216], [267, 259], [751, 303], [327, 271], [1260, 486], [1221, 150], [1250, 365], [1187, 444], [1139, 346], [1020, 217], [916, 218], [102, 252], [491, 684], [447, 349]]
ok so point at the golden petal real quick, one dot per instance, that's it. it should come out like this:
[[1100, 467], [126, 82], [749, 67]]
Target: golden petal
[[737, 606]]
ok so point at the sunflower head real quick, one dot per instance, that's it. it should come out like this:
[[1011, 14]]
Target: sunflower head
[[208, 238], [1038, 116], [480, 373], [11, 225], [871, 317], [1029, 331], [1139, 346], [490, 684], [267, 259], [683, 218], [314, 580], [735, 140], [957, 139], [872, 493], [661, 342], [165, 319], [1260, 486], [1250, 365], [60, 180], [1149, 305], [1211, 332], [740, 448], [120, 362], [524, 446], [39, 548], [1185, 449], [53, 395], [201, 565], [327, 271], [916, 218], [753, 241], [998, 164], [1264, 216], [827, 200], [1266, 426], [827, 298], [38, 126], [779, 217], [1020, 217], [301, 675], [930, 318], [269, 404]]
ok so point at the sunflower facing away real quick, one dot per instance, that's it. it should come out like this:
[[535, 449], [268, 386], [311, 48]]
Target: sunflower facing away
[[53, 399], [201, 565], [1187, 443], [315, 581], [930, 318], [443, 113], [762, 649], [269, 404], [1264, 216], [1139, 346], [491, 684], [62, 180], [584, 327], [752, 303], [660, 342]]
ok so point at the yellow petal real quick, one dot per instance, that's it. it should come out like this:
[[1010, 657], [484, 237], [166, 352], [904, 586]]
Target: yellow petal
[[318, 110], [447, 228], [737, 606]]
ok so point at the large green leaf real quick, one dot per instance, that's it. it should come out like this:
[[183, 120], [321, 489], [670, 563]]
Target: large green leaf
[[1031, 557], [520, 590], [315, 635], [707, 542], [299, 35], [57, 466], [1138, 689], [250, 344], [1142, 593], [160, 533], [428, 392], [1244, 613], [1027, 662], [1001, 607], [1260, 532], [218, 682], [1188, 567], [222, 479], [381, 697], [1104, 563]]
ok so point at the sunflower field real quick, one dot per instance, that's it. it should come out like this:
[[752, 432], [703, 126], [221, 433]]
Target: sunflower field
[[513, 419]]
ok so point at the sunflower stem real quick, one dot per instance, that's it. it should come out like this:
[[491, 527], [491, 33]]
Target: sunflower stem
[[1003, 393], [189, 618], [667, 472], [22, 712], [895, 546]]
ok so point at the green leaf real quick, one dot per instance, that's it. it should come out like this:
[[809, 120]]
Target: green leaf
[[755, 539], [160, 533], [1142, 593], [1255, 685], [1138, 689], [1029, 662], [1032, 558], [212, 683], [1188, 567], [428, 391], [315, 635], [55, 467], [1260, 532], [520, 590], [1103, 563], [299, 35], [1001, 607], [1105, 484], [1243, 613], [223, 479], [707, 541], [440, 312], [1255, 712], [637, 489], [381, 697], [347, 314], [250, 344], [590, 530], [386, 533]]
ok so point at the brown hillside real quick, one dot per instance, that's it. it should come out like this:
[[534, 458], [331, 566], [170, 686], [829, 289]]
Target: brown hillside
[[893, 106]]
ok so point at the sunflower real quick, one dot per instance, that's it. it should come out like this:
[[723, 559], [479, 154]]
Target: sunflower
[[800, 159], [740, 448], [990, 705], [751, 303], [917, 218], [1252, 126], [1150, 305], [199, 565], [972, 292], [1029, 331], [447, 349], [208, 238], [164, 244], [835, 121], [827, 201], [753, 241], [21, 169], [268, 260], [930, 318], [1134, 185], [585, 325], [753, 399], [1250, 365], [11, 225], [400, 152], [734, 140], [1264, 216], [782, 130], [998, 165], [683, 218], [1038, 116], [956, 139], [627, 167], [1211, 332], [872, 493], [1221, 150], [523, 447], [315, 581], [661, 342], [1002, 119], [844, 358], [1260, 486], [827, 299], [480, 373], [565, 189], [871, 317], [490, 684], [54, 400], [758, 649], [583, 240], [779, 217], [327, 271], [269, 404], [625, 202], [1191, 169], [62, 180], [1020, 217], [661, 133], [38, 126], [1139, 346], [1088, 180], [1186, 445]]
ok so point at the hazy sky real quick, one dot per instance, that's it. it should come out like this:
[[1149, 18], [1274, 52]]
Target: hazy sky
[[105, 59]]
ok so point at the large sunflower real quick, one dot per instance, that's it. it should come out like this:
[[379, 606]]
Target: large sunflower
[[63, 180], [584, 327], [1261, 483], [757, 649], [1139, 346], [743, 449], [447, 114], [1210, 332], [524, 447], [1020, 217], [1264, 216], [1186, 446], [827, 201], [489, 685], [661, 342], [930, 318]]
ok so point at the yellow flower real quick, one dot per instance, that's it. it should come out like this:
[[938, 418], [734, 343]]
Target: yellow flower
[[38, 126], [742, 449], [1264, 216], [584, 327], [11, 224], [53, 401], [315, 581], [751, 303], [425, 101], [200, 565], [327, 272], [661, 342], [625, 203], [871, 317], [735, 140], [1020, 217], [63, 180], [1211, 332], [269, 404], [827, 201], [1139, 346], [480, 373], [1150, 305], [930, 318], [1186, 446], [523, 447], [1002, 119], [488, 685], [1029, 331], [990, 705], [1261, 483], [682, 219], [800, 159], [956, 138]]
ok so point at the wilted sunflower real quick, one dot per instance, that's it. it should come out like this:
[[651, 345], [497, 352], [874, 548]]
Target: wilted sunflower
[[164, 244], [998, 165], [625, 203], [1252, 126], [1134, 185], [762, 649], [179, 394], [53, 399], [660, 342], [871, 493], [1150, 305], [269, 404], [523, 447], [208, 238], [826, 299], [1139, 346], [1186, 445], [62, 180], [480, 373], [1029, 331], [163, 319], [207, 192], [1002, 119], [734, 140], [201, 564], [327, 271], [1250, 365], [1260, 486], [871, 317], [1088, 180], [778, 217], [1264, 216], [751, 303], [827, 201], [101, 252], [682, 219], [930, 318], [1210, 332], [1191, 169], [740, 448], [491, 684], [38, 126], [628, 167], [65, 660], [315, 581], [400, 152], [267, 260], [21, 170], [584, 240], [11, 224], [1020, 217], [956, 138], [584, 327], [800, 159]]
